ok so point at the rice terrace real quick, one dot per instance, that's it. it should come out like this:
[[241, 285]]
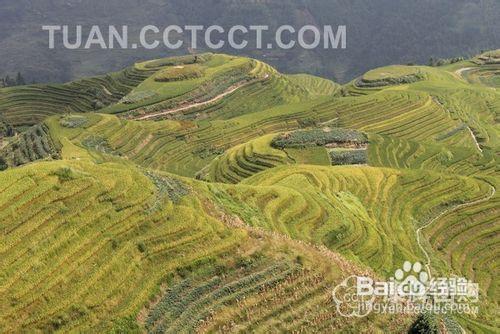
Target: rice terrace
[[212, 193]]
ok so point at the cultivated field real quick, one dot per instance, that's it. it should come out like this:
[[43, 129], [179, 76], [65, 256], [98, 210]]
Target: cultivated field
[[212, 193]]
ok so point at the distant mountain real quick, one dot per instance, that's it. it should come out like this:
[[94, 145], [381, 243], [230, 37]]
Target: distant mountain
[[379, 32]]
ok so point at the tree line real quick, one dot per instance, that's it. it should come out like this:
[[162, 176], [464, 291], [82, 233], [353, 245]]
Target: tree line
[[11, 82]]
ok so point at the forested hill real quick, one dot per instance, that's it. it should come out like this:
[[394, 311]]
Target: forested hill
[[380, 32]]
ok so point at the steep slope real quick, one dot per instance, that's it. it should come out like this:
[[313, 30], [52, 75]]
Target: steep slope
[[27, 105], [124, 245], [191, 87]]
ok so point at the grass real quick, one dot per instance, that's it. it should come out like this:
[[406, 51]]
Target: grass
[[179, 73], [391, 75], [230, 216], [104, 241], [28, 105], [361, 211]]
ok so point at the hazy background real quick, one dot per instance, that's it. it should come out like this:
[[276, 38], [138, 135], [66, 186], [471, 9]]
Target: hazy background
[[379, 32]]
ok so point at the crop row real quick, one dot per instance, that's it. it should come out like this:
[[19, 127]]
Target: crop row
[[27, 105]]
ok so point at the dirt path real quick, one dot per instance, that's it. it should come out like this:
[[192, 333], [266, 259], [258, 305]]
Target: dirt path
[[231, 90], [430, 222], [468, 127], [460, 72], [106, 90], [475, 139]]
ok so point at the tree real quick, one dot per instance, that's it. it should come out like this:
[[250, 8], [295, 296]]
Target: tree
[[6, 129], [3, 164], [426, 323], [20, 80], [9, 82]]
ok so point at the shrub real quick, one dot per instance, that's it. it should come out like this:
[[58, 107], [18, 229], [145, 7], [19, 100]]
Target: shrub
[[3, 164], [73, 122], [137, 97], [445, 61], [167, 187], [98, 143], [426, 323], [6, 130], [141, 247], [318, 137], [33, 144], [64, 174], [182, 60], [206, 152], [405, 79], [348, 157]]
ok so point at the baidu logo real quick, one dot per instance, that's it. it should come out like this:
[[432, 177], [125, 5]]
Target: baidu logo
[[409, 290]]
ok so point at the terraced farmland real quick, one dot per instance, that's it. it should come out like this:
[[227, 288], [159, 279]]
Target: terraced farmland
[[386, 151], [28, 105], [244, 160], [212, 193], [105, 241], [224, 87], [194, 144], [362, 211]]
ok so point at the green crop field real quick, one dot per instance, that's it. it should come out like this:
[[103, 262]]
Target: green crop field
[[212, 193]]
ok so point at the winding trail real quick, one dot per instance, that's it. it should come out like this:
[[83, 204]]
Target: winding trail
[[106, 90], [475, 139], [430, 222], [229, 91], [460, 72]]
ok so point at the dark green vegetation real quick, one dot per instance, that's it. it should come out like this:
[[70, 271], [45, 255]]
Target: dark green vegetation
[[208, 202], [425, 324], [319, 137], [32, 145], [6, 130], [348, 157], [376, 36], [10, 82]]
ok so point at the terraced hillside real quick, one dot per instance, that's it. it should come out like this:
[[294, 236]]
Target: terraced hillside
[[194, 85], [126, 247], [28, 105], [211, 193], [214, 87], [347, 215], [316, 147]]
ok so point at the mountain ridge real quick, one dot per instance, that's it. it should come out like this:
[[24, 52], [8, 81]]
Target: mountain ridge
[[379, 33]]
